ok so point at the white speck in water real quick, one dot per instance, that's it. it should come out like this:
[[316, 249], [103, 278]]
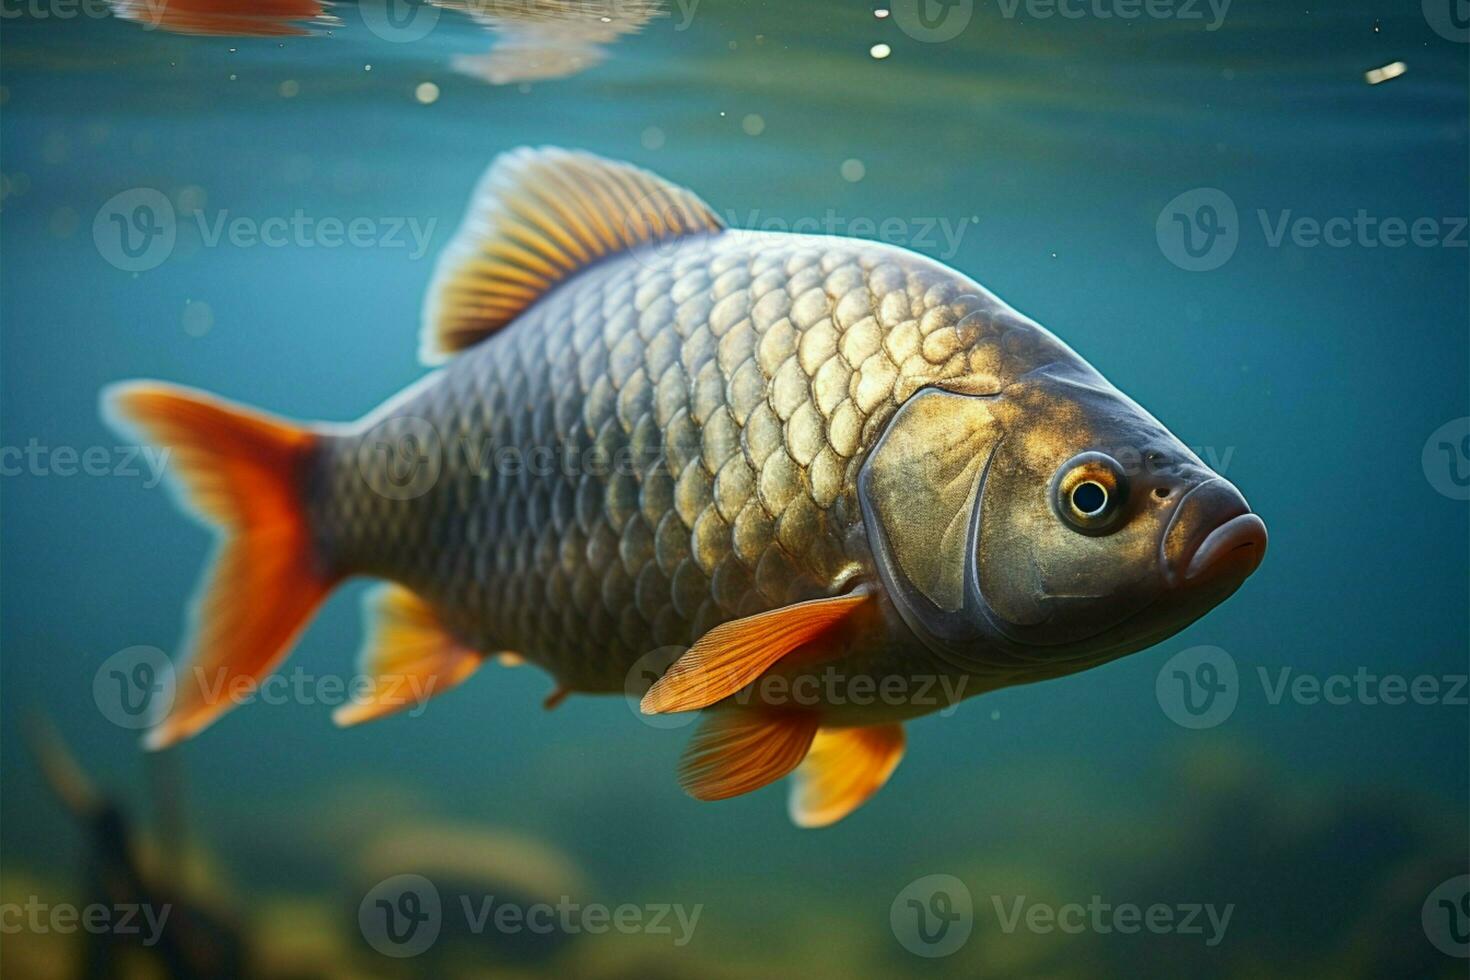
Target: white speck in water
[[427, 93], [881, 13], [190, 198], [197, 318], [995, 716], [1393, 69], [367, 67], [753, 124], [55, 148], [653, 138], [233, 76], [63, 222], [880, 51], [289, 88], [853, 170]]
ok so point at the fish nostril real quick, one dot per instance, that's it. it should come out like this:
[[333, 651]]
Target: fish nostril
[[1161, 492]]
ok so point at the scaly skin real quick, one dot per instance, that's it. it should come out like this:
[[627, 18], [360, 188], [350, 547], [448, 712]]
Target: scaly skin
[[734, 380]]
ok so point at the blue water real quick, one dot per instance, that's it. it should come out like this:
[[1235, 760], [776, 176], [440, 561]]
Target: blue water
[[1312, 375]]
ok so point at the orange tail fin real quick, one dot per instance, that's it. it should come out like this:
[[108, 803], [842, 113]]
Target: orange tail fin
[[242, 472]]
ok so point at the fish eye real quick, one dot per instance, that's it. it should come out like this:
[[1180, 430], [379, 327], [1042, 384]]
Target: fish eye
[[1089, 498], [1089, 491]]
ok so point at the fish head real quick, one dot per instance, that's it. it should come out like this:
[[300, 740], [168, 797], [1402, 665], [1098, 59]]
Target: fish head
[[1050, 526]]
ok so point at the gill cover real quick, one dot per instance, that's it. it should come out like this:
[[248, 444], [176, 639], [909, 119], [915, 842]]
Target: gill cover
[[919, 489]]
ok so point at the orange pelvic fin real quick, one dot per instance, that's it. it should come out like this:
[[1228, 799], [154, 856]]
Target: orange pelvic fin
[[243, 472], [735, 752], [732, 655], [844, 767], [408, 654]]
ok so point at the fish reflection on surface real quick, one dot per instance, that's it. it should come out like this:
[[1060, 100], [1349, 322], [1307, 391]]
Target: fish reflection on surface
[[544, 39], [234, 18]]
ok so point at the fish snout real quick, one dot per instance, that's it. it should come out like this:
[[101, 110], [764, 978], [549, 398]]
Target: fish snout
[[1212, 536]]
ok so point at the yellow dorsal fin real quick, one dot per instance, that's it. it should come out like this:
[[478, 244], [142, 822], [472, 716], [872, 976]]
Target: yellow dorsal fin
[[538, 216], [408, 655], [733, 654], [844, 767], [735, 752]]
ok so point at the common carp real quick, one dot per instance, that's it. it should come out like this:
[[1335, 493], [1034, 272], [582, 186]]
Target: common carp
[[828, 472]]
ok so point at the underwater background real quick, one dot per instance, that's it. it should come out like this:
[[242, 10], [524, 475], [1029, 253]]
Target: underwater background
[[1145, 186]]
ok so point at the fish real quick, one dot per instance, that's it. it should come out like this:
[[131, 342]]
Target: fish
[[798, 483]]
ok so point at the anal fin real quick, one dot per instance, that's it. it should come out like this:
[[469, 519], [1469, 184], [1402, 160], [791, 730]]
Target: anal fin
[[408, 654], [844, 768], [735, 752]]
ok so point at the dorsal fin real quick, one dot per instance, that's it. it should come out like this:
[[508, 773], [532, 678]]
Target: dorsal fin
[[536, 218]]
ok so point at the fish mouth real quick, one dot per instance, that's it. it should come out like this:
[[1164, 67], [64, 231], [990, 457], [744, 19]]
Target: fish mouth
[[1234, 549], [1229, 550]]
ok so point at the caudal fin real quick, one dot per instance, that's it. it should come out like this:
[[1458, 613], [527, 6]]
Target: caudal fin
[[242, 472]]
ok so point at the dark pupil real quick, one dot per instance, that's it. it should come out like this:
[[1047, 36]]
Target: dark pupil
[[1089, 498]]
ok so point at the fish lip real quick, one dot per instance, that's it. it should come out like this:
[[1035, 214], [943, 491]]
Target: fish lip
[[1238, 545]]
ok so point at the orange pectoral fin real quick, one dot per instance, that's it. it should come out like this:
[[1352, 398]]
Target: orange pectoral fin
[[844, 768], [735, 752], [408, 654], [732, 655]]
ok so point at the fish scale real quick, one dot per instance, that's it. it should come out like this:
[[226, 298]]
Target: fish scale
[[743, 374]]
